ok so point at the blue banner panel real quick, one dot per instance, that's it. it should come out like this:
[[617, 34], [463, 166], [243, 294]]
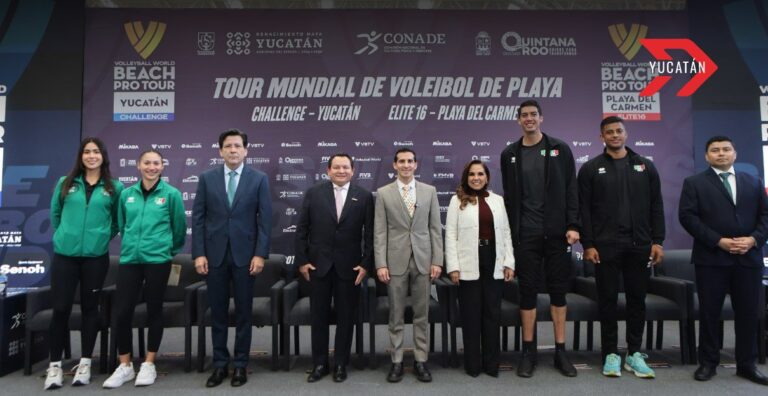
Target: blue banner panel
[[41, 50]]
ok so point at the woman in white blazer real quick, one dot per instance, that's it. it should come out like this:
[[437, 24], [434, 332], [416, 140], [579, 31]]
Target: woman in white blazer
[[478, 256]]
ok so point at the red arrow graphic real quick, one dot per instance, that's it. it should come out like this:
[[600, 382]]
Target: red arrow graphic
[[658, 48]]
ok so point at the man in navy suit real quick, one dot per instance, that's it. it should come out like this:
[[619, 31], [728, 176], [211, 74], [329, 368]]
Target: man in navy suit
[[334, 251], [727, 215], [231, 222]]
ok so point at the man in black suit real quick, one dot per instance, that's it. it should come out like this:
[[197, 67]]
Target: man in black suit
[[334, 251], [727, 215], [231, 223]]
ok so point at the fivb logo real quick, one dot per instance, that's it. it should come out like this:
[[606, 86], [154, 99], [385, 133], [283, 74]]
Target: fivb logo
[[628, 43], [144, 41]]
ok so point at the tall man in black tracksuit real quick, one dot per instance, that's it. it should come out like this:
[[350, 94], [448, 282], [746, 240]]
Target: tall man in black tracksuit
[[541, 198], [622, 216]]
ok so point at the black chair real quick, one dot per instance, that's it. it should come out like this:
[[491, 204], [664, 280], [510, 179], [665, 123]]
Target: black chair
[[267, 299], [296, 313], [677, 265], [179, 305], [666, 299], [39, 313], [378, 314]]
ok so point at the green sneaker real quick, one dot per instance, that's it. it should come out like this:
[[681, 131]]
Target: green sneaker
[[612, 366], [636, 364]]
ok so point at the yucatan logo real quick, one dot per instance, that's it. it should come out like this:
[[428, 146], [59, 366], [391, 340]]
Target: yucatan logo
[[701, 66], [144, 41], [628, 42]]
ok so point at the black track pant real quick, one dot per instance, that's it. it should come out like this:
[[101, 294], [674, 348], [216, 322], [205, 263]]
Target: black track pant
[[130, 279], [66, 274]]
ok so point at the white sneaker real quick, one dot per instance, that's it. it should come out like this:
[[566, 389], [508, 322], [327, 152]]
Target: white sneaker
[[121, 375], [147, 374], [82, 374], [53, 378]]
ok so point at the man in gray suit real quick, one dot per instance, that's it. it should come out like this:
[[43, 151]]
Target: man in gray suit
[[408, 250]]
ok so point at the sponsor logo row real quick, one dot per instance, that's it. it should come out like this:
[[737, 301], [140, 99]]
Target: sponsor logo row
[[243, 43]]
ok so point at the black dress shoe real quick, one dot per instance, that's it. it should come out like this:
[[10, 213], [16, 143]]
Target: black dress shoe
[[339, 373], [704, 373], [752, 374], [395, 372], [317, 373], [563, 364], [217, 377], [526, 365], [491, 369], [239, 376], [422, 372]]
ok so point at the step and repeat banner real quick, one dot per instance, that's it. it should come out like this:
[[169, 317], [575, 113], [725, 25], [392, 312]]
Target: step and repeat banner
[[307, 84]]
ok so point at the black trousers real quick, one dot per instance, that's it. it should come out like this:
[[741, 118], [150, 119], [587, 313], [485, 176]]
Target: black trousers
[[480, 305], [345, 297], [632, 263], [743, 284], [130, 279], [543, 264], [66, 274], [218, 281]]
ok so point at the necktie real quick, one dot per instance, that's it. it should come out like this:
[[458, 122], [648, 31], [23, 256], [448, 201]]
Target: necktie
[[231, 186], [339, 201], [727, 185], [409, 204]]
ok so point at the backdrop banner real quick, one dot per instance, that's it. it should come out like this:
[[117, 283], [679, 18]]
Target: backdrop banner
[[41, 58], [307, 84]]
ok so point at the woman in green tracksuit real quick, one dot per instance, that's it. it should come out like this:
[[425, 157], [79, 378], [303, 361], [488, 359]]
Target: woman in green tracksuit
[[83, 218], [153, 228]]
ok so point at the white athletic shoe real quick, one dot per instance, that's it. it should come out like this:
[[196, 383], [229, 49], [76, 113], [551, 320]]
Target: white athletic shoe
[[121, 375], [82, 374], [53, 378], [147, 374]]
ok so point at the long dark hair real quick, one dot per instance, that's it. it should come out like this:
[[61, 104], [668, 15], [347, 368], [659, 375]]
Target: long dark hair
[[78, 169], [464, 192]]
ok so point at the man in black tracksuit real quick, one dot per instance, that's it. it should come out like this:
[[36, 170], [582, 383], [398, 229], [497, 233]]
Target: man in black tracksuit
[[622, 215], [541, 198]]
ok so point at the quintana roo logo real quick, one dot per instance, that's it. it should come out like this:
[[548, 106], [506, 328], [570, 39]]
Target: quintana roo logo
[[144, 41], [628, 43]]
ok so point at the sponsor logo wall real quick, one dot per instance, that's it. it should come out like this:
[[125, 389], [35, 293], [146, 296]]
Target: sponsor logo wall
[[305, 85]]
